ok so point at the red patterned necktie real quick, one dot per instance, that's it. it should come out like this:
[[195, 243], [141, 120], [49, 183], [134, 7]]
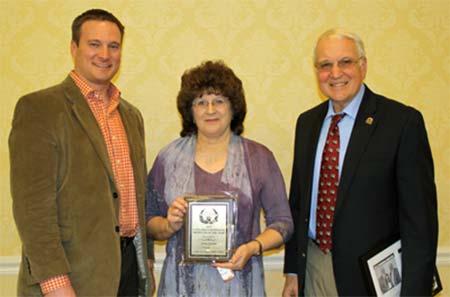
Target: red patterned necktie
[[328, 186]]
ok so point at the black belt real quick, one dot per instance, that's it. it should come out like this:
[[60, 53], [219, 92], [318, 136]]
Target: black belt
[[124, 242]]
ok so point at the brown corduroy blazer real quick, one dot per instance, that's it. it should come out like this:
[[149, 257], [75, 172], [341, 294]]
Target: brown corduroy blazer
[[65, 200]]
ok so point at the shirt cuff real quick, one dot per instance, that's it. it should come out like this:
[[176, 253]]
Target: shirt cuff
[[54, 283]]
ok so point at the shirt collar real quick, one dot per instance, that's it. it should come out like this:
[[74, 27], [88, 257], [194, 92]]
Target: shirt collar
[[89, 93], [352, 108]]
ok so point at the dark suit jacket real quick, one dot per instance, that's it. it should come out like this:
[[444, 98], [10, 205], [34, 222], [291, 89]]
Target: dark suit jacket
[[65, 201], [386, 188]]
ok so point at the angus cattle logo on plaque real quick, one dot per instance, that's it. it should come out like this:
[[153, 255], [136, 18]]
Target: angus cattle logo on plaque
[[209, 216]]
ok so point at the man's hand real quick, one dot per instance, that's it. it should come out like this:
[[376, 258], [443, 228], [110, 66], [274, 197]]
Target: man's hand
[[66, 291], [290, 286]]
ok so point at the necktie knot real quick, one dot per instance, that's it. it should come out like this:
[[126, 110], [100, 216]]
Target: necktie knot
[[335, 120]]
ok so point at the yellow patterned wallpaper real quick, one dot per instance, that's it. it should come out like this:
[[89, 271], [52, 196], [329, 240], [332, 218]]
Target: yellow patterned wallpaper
[[269, 45]]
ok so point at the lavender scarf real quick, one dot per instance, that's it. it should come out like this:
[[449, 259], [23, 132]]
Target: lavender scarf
[[202, 279]]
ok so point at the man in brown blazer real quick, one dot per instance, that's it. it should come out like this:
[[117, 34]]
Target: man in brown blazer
[[78, 174]]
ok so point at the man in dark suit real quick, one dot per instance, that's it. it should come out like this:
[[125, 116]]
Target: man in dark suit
[[380, 185], [394, 274], [382, 280], [78, 176]]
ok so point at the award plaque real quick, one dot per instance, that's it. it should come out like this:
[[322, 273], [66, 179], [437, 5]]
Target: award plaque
[[209, 228]]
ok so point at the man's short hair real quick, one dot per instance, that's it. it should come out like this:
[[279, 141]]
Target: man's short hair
[[342, 33], [94, 15]]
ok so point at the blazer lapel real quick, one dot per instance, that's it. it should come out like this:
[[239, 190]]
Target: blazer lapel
[[133, 135], [87, 120], [315, 127], [365, 123]]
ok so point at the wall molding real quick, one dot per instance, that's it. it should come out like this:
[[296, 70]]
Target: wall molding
[[9, 265]]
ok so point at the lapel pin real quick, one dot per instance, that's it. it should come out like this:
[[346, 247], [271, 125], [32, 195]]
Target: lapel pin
[[369, 121]]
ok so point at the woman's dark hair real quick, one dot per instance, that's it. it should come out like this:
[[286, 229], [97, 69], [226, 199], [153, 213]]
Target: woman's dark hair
[[211, 77]]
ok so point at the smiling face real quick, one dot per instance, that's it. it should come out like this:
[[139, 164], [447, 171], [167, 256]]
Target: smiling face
[[212, 115], [340, 84], [97, 55]]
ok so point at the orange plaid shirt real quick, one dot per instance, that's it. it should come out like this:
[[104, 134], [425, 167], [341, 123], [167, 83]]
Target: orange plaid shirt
[[114, 134]]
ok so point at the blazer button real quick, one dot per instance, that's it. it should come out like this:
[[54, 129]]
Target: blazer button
[[303, 255], [115, 195], [117, 229]]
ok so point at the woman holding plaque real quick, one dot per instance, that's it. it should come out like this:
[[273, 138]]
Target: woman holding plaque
[[212, 158]]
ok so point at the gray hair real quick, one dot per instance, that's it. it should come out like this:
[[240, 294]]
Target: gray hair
[[342, 33]]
